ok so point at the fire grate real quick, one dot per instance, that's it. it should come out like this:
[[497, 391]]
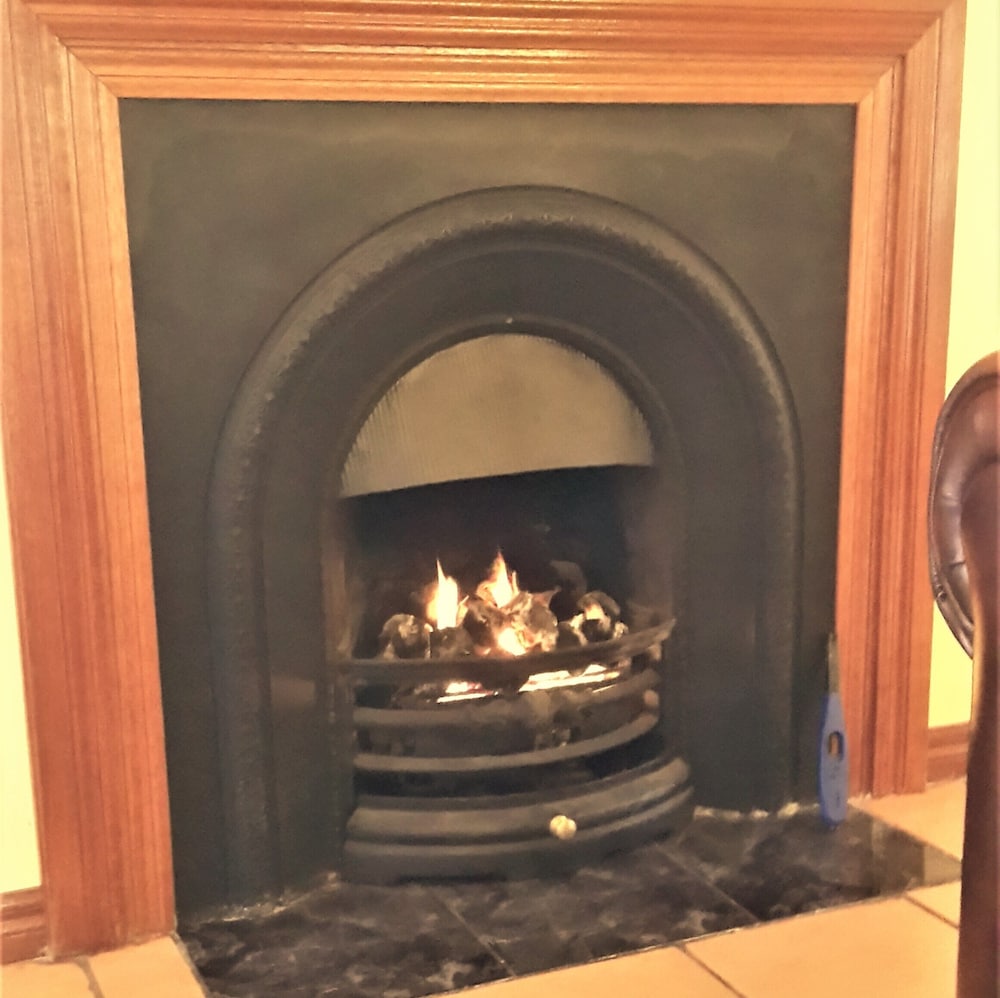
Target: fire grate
[[515, 782]]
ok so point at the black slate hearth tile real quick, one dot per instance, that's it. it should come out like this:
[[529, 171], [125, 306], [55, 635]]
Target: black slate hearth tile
[[348, 940], [499, 909], [782, 864], [641, 899], [405, 941], [627, 902], [532, 954]]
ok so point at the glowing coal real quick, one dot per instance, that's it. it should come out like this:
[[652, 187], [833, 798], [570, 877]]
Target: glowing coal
[[500, 620]]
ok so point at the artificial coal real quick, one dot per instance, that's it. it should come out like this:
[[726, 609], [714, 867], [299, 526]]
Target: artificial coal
[[405, 636]]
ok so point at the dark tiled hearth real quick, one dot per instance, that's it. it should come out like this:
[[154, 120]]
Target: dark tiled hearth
[[724, 872]]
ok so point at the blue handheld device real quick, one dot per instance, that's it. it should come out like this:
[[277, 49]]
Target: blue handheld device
[[832, 745]]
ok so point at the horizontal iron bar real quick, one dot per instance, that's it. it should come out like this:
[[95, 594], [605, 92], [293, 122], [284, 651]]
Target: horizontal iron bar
[[474, 668], [368, 762], [538, 856], [409, 820], [483, 711]]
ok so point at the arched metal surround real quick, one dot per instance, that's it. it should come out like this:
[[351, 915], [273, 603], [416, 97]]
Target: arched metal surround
[[683, 343]]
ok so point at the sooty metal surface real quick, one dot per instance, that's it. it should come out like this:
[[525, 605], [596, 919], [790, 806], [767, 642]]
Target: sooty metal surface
[[727, 490], [234, 207], [511, 783]]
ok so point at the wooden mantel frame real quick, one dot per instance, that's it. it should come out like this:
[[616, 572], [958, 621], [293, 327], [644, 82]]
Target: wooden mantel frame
[[71, 397]]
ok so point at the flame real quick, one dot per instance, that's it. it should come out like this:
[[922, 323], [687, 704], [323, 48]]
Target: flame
[[592, 675], [501, 586], [459, 689], [445, 608], [509, 642], [442, 607]]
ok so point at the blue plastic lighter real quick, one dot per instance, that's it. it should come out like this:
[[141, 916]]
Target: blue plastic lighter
[[832, 744]]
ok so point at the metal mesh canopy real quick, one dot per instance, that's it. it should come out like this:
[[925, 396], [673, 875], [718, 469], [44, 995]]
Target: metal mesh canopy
[[496, 405]]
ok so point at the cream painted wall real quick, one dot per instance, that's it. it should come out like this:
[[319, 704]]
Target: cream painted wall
[[975, 325], [18, 842], [975, 297]]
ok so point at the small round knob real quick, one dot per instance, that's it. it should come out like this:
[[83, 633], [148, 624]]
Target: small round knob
[[562, 827]]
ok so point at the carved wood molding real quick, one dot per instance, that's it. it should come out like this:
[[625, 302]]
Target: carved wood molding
[[71, 405], [23, 932], [947, 752]]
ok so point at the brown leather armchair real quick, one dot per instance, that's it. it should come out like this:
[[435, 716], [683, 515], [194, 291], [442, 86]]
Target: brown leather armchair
[[964, 523]]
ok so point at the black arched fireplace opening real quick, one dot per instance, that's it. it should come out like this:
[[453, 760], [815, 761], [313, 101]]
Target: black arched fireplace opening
[[698, 525]]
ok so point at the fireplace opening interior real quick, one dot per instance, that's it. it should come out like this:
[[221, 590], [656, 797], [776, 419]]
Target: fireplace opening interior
[[514, 475], [503, 443], [563, 536], [558, 530]]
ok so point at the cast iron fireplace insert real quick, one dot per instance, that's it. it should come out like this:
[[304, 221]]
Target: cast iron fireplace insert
[[669, 468], [602, 280]]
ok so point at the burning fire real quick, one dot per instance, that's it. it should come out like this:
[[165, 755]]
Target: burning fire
[[442, 607], [501, 586], [508, 641], [501, 619]]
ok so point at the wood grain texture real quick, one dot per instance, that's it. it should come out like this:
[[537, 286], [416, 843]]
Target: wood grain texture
[[947, 752], [72, 425], [516, 79], [533, 51], [911, 380], [23, 932], [78, 511], [858, 548]]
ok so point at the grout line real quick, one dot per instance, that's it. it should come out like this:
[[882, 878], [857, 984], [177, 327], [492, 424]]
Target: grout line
[[931, 911], [709, 970], [485, 943], [671, 851], [761, 924], [84, 964]]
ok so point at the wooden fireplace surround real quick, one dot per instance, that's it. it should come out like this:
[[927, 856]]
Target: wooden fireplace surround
[[72, 427]]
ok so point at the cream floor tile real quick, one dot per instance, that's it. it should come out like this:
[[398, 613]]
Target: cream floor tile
[[945, 899], [152, 970], [44, 980], [882, 950], [937, 815], [641, 975]]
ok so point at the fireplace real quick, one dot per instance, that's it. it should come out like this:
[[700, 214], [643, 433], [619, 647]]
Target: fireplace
[[609, 397], [83, 567]]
